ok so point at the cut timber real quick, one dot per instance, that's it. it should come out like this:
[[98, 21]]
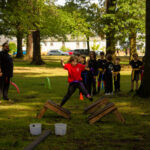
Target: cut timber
[[92, 108], [101, 113], [41, 138], [56, 108], [41, 114], [119, 116]]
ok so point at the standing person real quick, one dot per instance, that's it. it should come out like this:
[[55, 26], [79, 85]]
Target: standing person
[[101, 66], [6, 68], [136, 65], [108, 75], [85, 73], [92, 65], [117, 69], [74, 78]]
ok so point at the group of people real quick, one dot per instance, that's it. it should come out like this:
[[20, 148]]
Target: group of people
[[88, 76], [82, 74]]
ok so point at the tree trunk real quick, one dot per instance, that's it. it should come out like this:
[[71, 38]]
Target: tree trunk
[[29, 54], [132, 39], [19, 45], [144, 90], [110, 43], [37, 60], [88, 44], [110, 37]]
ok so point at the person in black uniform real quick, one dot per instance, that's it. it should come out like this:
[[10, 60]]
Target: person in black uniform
[[85, 73], [92, 65], [108, 75], [6, 68], [101, 66], [117, 69], [136, 65]]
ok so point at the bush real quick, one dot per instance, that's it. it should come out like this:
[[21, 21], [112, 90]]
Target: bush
[[64, 48], [12, 47]]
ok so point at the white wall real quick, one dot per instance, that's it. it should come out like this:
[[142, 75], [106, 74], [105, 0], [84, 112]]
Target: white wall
[[46, 46]]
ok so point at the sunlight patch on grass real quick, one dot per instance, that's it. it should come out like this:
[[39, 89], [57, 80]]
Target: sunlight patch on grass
[[39, 72]]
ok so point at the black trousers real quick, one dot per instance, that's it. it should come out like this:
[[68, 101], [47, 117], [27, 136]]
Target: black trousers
[[109, 83], [4, 87], [71, 89], [117, 82], [92, 86]]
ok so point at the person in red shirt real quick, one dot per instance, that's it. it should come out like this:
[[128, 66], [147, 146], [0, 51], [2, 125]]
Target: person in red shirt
[[74, 78]]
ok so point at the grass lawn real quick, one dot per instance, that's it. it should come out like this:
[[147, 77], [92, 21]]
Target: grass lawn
[[107, 134]]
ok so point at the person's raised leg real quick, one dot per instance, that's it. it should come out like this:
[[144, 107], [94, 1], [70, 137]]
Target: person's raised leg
[[84, 91], [71, 90]]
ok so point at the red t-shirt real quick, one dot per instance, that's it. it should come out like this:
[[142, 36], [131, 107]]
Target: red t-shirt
[[74, 72]]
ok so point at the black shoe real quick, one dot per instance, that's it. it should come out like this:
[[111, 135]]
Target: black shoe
[[91, 99], [6, 98]]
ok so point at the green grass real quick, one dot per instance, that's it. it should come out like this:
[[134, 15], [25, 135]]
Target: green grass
[[107, 134]]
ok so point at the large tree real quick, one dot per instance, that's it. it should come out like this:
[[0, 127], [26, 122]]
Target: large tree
[[144, 90]]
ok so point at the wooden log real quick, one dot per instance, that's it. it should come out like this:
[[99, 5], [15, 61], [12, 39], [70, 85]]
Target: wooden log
[[41, 114], [119, 116], [101, 113], [41, 138], [95, 106], [58, 109]]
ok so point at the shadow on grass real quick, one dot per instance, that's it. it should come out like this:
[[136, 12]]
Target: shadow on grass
[[105, 134]]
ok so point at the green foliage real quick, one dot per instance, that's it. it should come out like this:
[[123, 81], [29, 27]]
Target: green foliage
[[64, 48], [12, 47], [95, 46]]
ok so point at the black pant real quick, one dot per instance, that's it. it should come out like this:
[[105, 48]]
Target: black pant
[[109, 83], [92, 86], [4, 87], [71, 89], [117, 82]]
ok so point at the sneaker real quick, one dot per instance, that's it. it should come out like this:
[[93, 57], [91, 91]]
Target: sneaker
[[91, 99]]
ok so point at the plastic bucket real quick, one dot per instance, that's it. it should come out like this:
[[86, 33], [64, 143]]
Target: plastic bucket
[[60, 129], [35, 128]]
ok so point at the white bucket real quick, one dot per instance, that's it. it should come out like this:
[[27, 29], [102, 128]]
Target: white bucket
[[35, 128], [60, 129]]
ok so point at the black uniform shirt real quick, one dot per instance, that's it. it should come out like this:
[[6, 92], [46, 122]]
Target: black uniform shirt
[[92, 64], [101, 63], [117, 68], [6, 64], [109, 67]]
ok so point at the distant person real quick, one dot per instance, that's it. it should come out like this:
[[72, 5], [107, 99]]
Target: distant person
[[136, 65], [84, 73], [117, 69], [6, 71], [101, 67], [92, 64], [108, 75], [74, 78]]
